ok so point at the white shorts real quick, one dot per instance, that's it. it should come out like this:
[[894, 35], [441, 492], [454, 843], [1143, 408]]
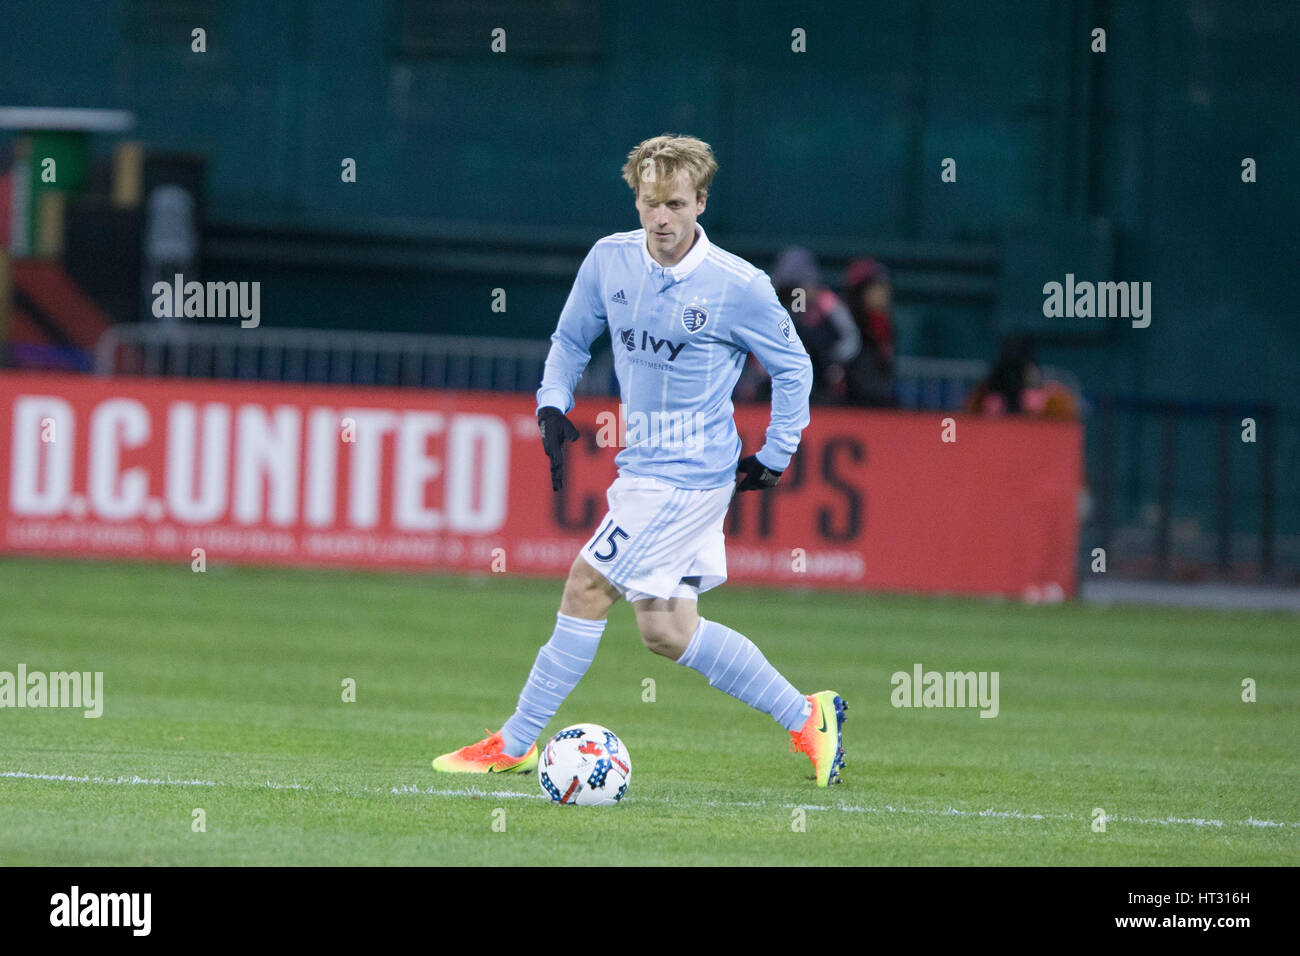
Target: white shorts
[[655, 535]]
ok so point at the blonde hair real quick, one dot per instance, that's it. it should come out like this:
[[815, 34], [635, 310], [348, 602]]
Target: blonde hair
[[660, 158]]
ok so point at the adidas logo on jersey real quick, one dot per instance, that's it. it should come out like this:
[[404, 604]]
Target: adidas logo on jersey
[[619, 297]]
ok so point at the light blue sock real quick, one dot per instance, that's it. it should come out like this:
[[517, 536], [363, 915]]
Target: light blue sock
[[735, 665], [559, 666]]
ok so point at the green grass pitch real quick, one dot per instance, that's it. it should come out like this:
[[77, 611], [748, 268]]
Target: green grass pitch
[[223, 691]]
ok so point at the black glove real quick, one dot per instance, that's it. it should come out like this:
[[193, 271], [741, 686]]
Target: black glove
[[556, 430], [757, 475]]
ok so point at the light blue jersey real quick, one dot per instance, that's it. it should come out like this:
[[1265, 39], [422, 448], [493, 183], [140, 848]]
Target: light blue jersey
[[680, 337]]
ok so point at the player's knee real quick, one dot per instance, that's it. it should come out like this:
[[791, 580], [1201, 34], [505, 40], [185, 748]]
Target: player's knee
[[664, 638], [586, 592], [658, 640]]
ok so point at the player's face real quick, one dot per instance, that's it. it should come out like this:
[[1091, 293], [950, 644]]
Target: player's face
[[668, 212]]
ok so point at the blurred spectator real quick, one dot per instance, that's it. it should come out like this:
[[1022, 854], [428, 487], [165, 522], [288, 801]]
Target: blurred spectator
[[171, 242], [870, 294], [1015, 386], [824, 323]]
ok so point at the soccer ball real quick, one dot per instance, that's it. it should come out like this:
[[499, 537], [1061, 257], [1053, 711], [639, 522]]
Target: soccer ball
[[584, 765]]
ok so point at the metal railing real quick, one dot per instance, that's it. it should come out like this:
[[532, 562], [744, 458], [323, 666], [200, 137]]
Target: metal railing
[[1216, 514], [432, 361], [322, 357]]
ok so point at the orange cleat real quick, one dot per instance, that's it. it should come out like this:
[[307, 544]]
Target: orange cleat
[[486, 756], [821, 736]]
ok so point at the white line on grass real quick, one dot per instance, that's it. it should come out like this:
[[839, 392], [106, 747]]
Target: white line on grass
[[840, 807], [132, 781]]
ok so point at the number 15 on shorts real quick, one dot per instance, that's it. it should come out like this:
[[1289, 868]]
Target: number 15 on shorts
[[605, 546]]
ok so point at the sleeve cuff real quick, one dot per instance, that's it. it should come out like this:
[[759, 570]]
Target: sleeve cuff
[[556, 397], [772, 459]]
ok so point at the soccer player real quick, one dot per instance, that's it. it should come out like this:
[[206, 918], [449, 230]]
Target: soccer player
[[682, 315]]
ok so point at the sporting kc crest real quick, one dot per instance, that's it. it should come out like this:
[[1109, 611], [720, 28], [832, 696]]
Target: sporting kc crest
[[694, 318]]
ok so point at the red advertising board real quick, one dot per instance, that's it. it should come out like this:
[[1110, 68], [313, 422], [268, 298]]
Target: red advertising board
[[399, 478]]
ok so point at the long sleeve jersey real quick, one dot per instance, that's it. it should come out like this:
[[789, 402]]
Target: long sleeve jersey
[[680, 336]]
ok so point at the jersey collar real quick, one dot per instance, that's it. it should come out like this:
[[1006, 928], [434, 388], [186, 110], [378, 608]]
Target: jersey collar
[[689, 264]]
